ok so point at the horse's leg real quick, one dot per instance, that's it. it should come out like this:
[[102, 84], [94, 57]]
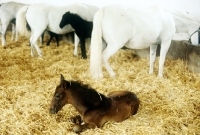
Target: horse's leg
[[42, 38], [163, 51], [107, 53], [13, 31], [31, 45], [16, 34], [4, 28], [152, 57], [83, 51], [76, 40], [33, 42]]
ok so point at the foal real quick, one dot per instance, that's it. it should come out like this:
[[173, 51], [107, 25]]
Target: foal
[[82, 28], [95, 108]]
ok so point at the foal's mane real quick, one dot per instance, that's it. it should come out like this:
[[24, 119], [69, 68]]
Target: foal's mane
[[79, 84], [89, 95], [76, 16]]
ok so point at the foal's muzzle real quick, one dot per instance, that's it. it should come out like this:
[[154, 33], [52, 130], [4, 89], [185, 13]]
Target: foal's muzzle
[[61, 26], [53, 110]]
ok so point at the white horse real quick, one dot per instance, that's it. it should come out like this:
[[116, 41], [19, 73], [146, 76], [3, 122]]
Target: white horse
[[42, 17], [8, 12], [121, 26], [186, 25]]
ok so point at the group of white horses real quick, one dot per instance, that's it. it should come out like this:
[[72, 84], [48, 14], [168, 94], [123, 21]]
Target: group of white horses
[[114, 26]]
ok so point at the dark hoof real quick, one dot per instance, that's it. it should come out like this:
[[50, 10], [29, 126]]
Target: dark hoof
[[84, 57], [76, 120]]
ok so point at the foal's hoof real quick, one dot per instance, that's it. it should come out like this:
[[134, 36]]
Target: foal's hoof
[[76, 119], [84, 57], [77, 129]]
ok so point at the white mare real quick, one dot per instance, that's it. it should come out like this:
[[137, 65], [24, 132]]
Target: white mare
[[122, 26], [41, 17], [8, 12], [185, 25]]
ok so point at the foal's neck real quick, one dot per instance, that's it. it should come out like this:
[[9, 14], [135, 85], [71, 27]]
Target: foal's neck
[[84, 99], [75, 21]]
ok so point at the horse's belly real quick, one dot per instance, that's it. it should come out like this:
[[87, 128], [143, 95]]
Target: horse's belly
[[141, 43]]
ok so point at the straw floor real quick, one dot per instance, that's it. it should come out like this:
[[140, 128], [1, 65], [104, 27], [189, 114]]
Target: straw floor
[[169, 106]]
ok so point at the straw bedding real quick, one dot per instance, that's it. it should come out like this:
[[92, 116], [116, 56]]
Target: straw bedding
[[170, 105]]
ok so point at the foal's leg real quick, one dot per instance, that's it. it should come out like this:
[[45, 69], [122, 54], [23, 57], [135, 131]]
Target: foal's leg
[[51, 37], [77, 119], [163, 51], [78, 124], [79, 128], [83, 51], [57, 39], [152, 57]]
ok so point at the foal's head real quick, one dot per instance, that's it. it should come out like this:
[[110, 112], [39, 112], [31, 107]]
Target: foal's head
[[61, 96], [65, 19]]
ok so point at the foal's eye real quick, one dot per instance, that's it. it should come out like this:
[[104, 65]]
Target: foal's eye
[[57, 96]]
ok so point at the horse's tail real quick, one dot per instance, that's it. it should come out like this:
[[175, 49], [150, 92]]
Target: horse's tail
[[21, 23], [96, 46]]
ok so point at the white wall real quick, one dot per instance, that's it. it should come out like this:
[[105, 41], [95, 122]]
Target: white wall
[[190, 6]]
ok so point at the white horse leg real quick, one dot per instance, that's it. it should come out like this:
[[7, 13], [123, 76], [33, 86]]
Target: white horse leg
[[163, 51], [16, 35], [107, 53], [38, 49], [152, 57], [13, 31], [76, 40], [41, 40], [3, 32], [32, 46], [33, 41]]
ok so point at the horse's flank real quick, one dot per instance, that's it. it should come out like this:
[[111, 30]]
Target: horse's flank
[[132, 28]]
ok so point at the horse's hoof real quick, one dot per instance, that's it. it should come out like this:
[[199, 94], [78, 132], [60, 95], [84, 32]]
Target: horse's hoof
[[112, 75], [97, 76], [77, 129]]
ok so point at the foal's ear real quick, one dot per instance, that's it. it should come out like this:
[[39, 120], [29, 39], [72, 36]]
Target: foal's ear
[[61, 78], [65, 84]]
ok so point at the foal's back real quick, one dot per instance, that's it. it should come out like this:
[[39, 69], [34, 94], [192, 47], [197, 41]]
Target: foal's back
[[124, 100], [117, 106]]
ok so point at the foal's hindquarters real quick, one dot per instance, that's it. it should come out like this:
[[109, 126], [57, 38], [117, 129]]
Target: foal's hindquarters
[[118, 106]]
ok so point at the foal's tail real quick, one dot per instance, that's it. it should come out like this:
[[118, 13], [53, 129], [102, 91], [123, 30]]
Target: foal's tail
[[96, 46], [21, 22]]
